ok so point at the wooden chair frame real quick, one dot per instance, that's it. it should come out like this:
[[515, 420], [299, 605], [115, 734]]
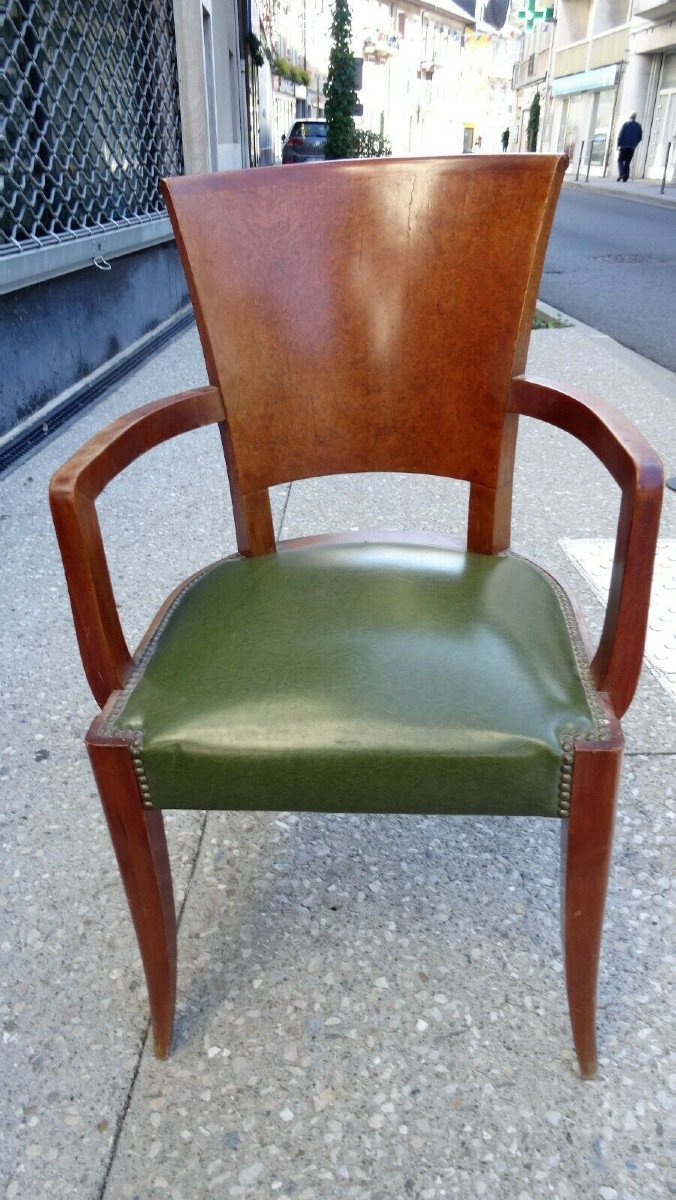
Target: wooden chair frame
[[402, 380], [138, 834]]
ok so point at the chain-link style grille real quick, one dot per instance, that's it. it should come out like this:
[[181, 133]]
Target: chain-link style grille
[[90, 107]]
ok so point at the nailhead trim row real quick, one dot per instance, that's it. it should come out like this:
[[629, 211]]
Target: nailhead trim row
[[567, 738], [137, 671]]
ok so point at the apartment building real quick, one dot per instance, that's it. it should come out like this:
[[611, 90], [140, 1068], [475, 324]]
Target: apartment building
[[593, 63], [650, 86], [411, 82]]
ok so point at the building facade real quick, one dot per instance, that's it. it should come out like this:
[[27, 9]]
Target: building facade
[[488, 98], [590, 54], [411, 88], [101, 102], [531, 75], [593, 63], [650, 85], [431, 77]]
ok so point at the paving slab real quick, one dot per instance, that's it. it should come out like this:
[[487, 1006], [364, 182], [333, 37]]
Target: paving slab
[[375, 1008], [72, 1000], [366, 1010], [593, 557]]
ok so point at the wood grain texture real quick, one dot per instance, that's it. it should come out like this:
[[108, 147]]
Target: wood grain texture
[[141, 849], [72, 494], [368, 316], [586, 848], [637, 470]]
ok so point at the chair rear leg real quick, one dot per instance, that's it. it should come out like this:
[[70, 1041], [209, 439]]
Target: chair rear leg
[[141, 849], [586, 846]]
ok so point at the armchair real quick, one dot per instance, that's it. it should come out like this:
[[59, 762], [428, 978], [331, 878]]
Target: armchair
[[364, 316]]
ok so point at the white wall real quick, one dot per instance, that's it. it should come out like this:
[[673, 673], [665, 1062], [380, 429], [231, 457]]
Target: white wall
[[211, 90], [573, 19]]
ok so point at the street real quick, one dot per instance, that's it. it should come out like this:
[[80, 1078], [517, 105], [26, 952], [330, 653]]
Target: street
[[612, 264]]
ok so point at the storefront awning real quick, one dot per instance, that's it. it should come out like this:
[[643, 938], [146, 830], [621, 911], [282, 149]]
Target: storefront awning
[[585, 81]]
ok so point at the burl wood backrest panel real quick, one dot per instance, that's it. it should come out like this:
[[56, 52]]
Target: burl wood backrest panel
[[366, 315]]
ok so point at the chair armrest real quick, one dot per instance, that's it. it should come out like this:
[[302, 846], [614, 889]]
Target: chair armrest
[[638, 471], [72, 494]]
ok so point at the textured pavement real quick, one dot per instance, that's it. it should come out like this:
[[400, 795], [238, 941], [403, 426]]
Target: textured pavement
[[369, 1008]]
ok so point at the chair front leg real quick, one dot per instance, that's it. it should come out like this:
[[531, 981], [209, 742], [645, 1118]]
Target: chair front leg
[[587, 836], [140, 846]]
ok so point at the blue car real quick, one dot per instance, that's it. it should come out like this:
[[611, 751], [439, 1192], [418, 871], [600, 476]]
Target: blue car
[[306, 142]]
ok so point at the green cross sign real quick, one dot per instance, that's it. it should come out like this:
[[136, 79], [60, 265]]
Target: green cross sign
[[529, 14]]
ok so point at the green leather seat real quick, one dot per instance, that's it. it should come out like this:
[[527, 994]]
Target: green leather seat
[[367, 677]]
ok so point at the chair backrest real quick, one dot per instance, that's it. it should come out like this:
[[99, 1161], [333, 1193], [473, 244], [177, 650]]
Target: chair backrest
[[368, 315]]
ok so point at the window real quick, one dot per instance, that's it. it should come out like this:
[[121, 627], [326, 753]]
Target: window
[[92, 122]]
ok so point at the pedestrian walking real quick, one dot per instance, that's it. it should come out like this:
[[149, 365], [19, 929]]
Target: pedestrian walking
[[627, 141], [505, 140]]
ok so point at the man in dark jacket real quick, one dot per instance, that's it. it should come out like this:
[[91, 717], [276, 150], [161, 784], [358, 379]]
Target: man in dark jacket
[[627, 141]]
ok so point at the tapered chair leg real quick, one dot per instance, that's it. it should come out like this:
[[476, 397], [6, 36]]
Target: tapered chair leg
[[141, 848], [586, 845]]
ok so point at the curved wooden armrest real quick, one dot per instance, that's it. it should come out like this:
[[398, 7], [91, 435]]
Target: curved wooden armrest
[[638, 471], [72, 493]]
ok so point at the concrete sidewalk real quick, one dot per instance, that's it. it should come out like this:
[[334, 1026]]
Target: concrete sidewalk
[[369, 1009], [647, 190]]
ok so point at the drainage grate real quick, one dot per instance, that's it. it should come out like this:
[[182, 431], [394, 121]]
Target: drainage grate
[[629, 258], [36, 434]]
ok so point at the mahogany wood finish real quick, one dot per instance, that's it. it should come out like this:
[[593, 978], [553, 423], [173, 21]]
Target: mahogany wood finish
[[633, 465], [586, 843], [141, 850], [73, 490], [376, 338], [373, 338]]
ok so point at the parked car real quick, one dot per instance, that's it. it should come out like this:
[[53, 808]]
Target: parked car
[[306, 142]]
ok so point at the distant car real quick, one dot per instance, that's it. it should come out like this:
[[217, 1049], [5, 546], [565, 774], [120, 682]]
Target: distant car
[[306, 142]]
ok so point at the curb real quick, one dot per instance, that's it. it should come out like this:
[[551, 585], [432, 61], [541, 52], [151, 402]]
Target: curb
[[660, 377], [612, 189]]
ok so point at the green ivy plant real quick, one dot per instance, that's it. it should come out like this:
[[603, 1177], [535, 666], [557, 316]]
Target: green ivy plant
[[340, 93], [533, 123], [255, 48]]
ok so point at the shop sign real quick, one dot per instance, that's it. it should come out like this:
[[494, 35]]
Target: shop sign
[[585, 81]]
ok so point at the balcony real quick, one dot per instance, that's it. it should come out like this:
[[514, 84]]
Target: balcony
[[609, 48], [571, 59], [427, 68], [654, 10], [602, 51], [379, 47]]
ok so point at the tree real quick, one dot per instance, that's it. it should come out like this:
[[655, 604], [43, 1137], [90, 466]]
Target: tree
[[533, 123], [340, 93]]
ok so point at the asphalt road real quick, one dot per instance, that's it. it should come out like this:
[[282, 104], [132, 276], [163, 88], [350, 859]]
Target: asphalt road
[[611, 263]]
